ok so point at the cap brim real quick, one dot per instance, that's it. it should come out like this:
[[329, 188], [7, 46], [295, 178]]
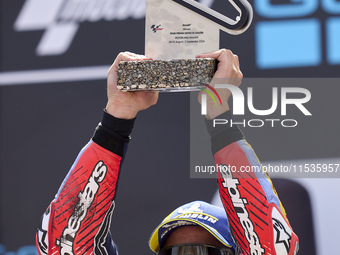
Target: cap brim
[[155, 242]]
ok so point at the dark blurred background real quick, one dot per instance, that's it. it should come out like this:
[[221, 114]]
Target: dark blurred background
[[53, 90]]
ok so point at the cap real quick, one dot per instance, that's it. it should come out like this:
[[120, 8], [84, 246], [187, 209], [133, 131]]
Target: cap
[[198, 213]]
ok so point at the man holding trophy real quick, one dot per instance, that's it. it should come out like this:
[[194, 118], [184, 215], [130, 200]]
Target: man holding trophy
[[253, 220]]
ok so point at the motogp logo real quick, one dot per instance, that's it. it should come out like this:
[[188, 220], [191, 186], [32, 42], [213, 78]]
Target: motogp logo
[[61, 19], [156, 28]]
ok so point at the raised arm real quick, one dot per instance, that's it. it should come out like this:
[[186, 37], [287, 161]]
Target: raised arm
[[78, 219], [258, 221]]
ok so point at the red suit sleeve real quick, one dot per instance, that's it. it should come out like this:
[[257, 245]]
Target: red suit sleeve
[[258, 221], [78, 219]]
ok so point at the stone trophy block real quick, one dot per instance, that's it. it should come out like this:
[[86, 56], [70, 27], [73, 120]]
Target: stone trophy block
[[164, 75]]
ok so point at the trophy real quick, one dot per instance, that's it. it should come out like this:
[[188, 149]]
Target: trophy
[[175, 32]]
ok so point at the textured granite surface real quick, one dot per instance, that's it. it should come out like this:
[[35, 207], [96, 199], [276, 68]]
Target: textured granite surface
[[165, 74]]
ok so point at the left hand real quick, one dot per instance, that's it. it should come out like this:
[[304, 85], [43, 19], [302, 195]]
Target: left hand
[[228, 72]]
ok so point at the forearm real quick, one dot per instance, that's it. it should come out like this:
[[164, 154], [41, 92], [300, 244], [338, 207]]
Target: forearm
[[251, 203], [77, 219]]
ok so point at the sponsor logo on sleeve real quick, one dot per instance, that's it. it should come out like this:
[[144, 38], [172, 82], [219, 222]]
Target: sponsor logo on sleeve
[[85, 199], [42, 233], [239, 203], [282, 233]]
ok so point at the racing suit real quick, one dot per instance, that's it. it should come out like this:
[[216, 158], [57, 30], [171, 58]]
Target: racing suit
[[78, 220]]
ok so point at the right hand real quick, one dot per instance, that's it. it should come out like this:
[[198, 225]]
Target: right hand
[[126, 105]]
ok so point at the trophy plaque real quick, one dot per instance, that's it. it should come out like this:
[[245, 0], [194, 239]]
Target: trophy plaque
[[175, 32]]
